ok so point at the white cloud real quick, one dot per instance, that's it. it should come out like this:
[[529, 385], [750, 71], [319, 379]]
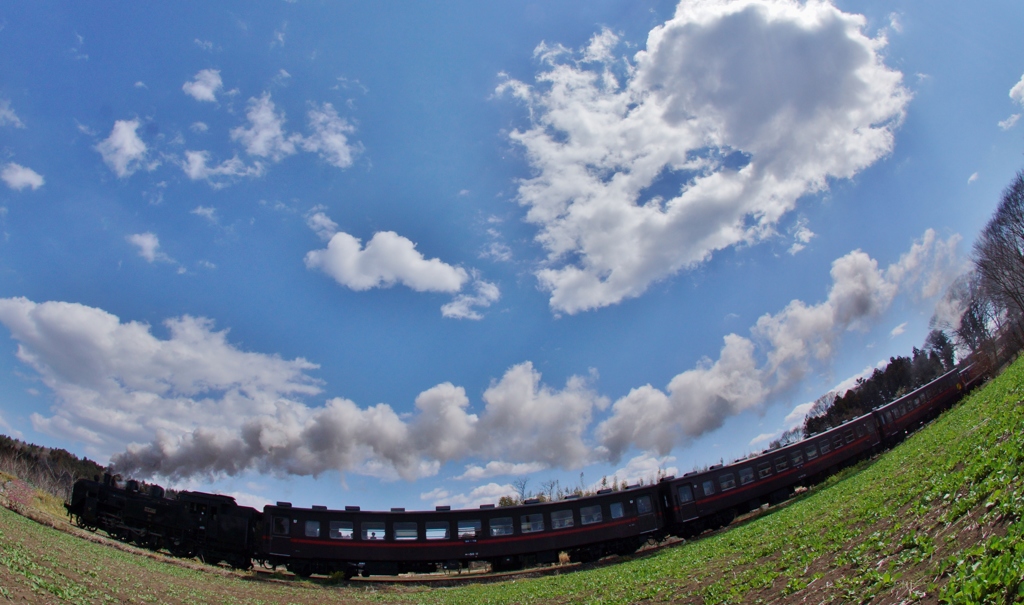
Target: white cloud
[[199, 127], [204, 44], [895, 24], [796, 417], [464, 306], [972, 178], [330, 137], [207, 212], [204, 86], [498, 468], [900, 329], [265, 137], [141, 84], [497, 251], [115, 382], [82, 128], [763, 439], [321, 224], [732, 112], [148, 245], [279, 35], [196, 168], [1017, 92], [527, 421], [782, 349], [123, 151], [1017, 96], [19, 177], [7, 115], [645, 467], [194, 404], [484, 494], [387, 259], [801, 237]]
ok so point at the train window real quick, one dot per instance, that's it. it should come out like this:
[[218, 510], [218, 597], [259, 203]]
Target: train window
[[406, 530], [764, 469], [824, 446], [590, 514], [781, 464], [797, 457], [372, 530], [709, 487], [643, 505], [281, 526], [685, 494], [561, 519], [888, 415], [837, 441], [811, 451], [531, 523], [860, 430], [312, 529], [727, 482], [469, 528], [501, 526], [848, 435], [341, 530], [746, 475], [615, 508], [438, 530]]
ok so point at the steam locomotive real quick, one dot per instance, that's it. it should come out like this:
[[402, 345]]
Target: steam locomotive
[[352, 542]]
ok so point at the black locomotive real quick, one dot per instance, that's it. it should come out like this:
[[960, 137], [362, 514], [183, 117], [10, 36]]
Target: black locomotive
[[192, 524], [317, 540]]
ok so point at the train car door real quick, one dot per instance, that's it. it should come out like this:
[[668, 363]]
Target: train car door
[[686, 506], [647, 519]]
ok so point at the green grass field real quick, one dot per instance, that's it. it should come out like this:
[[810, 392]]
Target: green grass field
[[937, 519]]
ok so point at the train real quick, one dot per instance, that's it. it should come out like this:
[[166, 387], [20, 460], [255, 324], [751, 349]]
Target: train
[[351, 542]]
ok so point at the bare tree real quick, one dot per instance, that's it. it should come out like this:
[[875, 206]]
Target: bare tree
[[519, 484], [970, 316], [999, 256], [550, 488]]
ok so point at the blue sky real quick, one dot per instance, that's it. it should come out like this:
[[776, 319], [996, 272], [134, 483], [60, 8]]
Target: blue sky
[[401, 254]]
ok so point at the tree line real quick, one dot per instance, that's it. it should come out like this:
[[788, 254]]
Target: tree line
[[981, 317], [51, 470]]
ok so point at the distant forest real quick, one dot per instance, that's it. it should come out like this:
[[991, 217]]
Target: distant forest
[[51, 470], [900, 376]]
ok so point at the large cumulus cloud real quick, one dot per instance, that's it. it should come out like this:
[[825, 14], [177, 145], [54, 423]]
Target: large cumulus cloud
[[781, 349], [732, 112]]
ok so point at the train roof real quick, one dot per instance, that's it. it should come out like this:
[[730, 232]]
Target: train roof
[[529, 504]]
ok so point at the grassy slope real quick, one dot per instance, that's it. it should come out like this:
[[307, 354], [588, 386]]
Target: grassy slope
[[937, 519]]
